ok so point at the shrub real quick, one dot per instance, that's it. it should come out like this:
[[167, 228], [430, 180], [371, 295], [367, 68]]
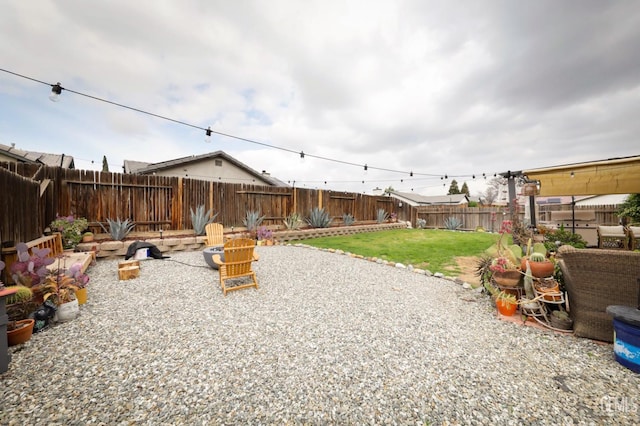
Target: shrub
[[319, 218], [560, 237], [421, 223]]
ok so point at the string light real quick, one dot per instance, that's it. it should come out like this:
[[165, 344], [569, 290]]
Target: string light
[[56, 90]]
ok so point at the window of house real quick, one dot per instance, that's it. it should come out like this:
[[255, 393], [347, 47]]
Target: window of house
[[218, 163]]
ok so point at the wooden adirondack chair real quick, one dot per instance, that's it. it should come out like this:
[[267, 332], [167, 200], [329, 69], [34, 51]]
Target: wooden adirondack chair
[[238, 255], [215, 234]]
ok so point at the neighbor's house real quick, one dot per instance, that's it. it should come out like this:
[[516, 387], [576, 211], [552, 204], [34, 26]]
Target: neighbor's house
[[215, 166], [12, 154], [416, 200]]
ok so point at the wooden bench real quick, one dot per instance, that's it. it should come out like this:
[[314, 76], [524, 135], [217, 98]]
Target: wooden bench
[[54, 243]]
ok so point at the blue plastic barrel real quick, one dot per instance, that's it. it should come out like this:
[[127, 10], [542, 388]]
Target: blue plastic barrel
[[626, 345]]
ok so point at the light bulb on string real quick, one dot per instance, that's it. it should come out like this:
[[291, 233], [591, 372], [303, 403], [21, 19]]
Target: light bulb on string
[[302, 156], [207, 137], [56, 90]]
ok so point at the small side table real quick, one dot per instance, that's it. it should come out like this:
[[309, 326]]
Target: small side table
[[5, 356]]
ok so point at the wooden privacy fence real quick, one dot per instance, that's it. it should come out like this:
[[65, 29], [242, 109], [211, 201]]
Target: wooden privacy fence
[[472, 218], [33, 195], [39, 193], [20, 217]]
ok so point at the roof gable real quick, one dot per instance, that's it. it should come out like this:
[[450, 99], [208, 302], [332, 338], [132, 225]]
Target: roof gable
[[138, 167]]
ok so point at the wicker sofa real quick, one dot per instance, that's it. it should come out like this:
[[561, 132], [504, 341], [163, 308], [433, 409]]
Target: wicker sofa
[[595, 279]]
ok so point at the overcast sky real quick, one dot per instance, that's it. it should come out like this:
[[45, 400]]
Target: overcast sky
[[456, 88]]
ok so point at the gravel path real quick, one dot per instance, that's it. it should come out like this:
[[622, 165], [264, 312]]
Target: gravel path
[[327, 339]]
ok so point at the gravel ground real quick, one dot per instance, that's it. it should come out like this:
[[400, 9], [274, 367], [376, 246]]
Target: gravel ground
[[327, 339]]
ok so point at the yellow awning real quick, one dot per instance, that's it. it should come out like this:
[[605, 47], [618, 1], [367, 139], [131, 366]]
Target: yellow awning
[[614, 176]]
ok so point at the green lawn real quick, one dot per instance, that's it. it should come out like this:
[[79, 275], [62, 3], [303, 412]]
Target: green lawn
[[431, 249]]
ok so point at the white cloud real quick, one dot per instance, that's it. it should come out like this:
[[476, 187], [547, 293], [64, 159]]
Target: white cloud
[[431, 87]]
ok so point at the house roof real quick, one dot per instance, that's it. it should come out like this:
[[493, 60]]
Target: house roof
[[418, 199], [139, 167], [35, 157], [599, 200]]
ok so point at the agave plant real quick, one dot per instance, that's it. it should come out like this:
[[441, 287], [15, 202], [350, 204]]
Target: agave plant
[[348, 219], [293, 221], [319, 218], [200, 219], [252, 220], [118, 229], [421, 223], [382, 216], [452, 223]]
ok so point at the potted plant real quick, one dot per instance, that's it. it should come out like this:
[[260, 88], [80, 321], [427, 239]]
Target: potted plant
[[541, 266], [504, 272], [265, 236], [506, 259], [251, 221], [60, 288], [71, 229], [30, 268], [19, 306], [560, 319], [87, 237], [506, 303], [81, 281]]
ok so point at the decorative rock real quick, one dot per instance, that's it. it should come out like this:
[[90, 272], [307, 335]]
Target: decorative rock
[[342, 349], [466, 286], [438, 275], [400, 265]]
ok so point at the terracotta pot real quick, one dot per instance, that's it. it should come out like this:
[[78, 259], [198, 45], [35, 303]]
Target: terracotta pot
[[549, 289], [539, 269], [20, 334], [81, 295], [506, 307], [507, 278]]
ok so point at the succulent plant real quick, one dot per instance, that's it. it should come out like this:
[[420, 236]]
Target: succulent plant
[[293, 221], [348, 219], [452, 223], [382, 216], [200, 219], [118, 229], [537, 257], [252, 220], [319, 218], [23, 294]]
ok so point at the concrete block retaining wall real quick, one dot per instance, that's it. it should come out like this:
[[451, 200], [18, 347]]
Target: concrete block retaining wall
[[117, 249]]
